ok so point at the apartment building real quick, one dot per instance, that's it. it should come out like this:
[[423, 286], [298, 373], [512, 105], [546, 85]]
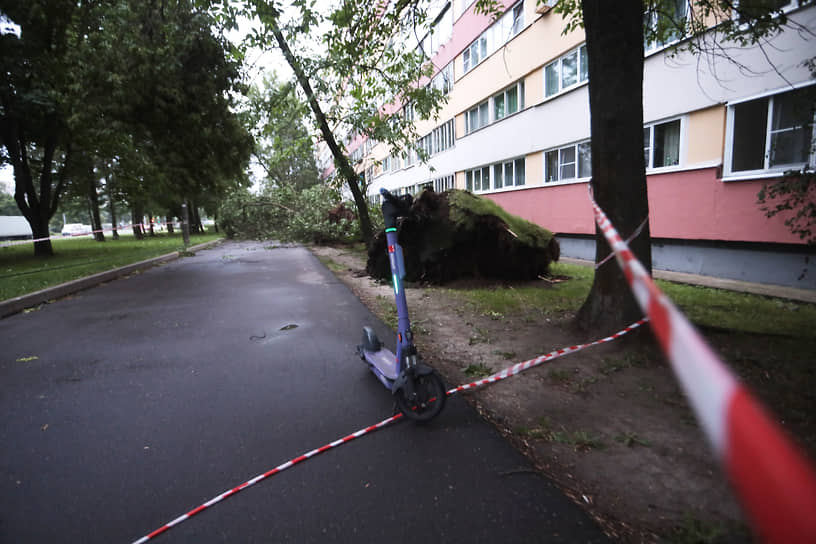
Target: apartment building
[[516, 129]]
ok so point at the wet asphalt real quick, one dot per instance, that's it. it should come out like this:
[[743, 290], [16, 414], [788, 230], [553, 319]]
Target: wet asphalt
[[129, 404]]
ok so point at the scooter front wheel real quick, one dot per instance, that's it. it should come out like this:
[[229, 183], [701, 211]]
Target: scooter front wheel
[[427, 401]]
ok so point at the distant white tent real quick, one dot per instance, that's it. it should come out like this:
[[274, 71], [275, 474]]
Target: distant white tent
[[14, 227]]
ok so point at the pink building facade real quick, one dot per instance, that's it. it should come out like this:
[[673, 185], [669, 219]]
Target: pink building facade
[[515, 129]]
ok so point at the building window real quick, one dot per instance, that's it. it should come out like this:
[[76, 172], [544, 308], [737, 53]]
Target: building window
[[664, 24], [476, 53], [460, 6], [478, 180], [477, 117], [745, 10], [444, 183], [438, 140], [504, 174], [409, 112], [661, 144], [440, 32], [444, 79], [498, 34], [508, 101], [772, 133], [569, 162], [566, 72]]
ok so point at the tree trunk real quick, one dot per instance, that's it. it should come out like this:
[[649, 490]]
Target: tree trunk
[[112, 205], [37, 209], [93, 204], [614, 39], [136, 219], [340, 159], [169, 222], [195, 219]]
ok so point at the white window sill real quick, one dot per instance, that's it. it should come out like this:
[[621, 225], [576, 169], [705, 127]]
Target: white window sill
[[571, 181], [756, 174], [562, 92]]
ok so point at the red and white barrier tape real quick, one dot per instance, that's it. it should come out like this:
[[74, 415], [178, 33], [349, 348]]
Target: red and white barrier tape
[[520, 367], [88, 233], [772, 479], [276, 470], [628, 241], [506, 373]]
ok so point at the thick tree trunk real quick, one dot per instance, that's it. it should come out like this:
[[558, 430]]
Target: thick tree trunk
[[340, 159], [136, 219], [195, 219], [614, 40], [169, 222], [93, 204], [36, 208], [112, 205]]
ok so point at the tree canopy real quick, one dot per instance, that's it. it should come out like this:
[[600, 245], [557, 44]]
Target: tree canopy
[[143, 89]]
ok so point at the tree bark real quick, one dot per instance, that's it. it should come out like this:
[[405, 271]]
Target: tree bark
[[37, 209], [112, 205], [93, 204], [340, 159], [614, 39], [136, 220]]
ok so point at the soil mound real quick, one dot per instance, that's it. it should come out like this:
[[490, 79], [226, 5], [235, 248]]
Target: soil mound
[[456, 234]]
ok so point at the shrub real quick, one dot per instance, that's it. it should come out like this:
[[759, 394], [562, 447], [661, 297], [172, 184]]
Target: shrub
[[290, 215]]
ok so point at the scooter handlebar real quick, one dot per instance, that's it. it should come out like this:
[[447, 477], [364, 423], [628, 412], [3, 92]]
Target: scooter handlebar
[[394, 206]]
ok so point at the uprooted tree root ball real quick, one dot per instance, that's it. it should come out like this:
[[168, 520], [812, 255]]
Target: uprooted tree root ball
[[456, 234]]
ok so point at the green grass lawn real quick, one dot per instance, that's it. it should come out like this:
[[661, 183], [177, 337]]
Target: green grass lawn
[[704, 306], [21, 272]]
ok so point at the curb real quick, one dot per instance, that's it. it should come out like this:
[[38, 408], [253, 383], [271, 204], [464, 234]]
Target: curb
[[18, 304]]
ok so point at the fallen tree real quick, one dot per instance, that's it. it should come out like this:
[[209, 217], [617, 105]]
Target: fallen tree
[[457, 234]]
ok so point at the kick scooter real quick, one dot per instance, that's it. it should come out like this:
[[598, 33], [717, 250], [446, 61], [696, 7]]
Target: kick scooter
[[418, 391]]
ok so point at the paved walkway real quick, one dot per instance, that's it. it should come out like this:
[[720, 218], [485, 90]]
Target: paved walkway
[[780, 291], [140, 399]]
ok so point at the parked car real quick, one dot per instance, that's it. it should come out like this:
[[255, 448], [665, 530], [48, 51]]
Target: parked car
[[74, 229]]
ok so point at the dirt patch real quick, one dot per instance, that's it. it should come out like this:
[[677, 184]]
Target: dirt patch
[[608, 424]]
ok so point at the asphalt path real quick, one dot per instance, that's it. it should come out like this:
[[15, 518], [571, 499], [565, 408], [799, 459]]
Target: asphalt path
[[131, 403]]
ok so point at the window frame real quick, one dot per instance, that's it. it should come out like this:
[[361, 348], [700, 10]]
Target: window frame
[[680, 145], [767, 170], [518, 86], [650, 48], [575, 163], [469, 129], [516, 164], [581, 75], [492, 39]]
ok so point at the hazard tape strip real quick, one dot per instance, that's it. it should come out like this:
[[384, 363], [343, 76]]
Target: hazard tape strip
[[773, 480], [276, 470], [628, 241], [88, 233], [506, 373], [520, 367]]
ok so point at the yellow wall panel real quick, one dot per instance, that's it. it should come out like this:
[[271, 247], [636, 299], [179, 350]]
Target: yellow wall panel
[[706, 135]]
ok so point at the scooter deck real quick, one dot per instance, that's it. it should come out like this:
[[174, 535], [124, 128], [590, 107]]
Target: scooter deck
[[385, 361]]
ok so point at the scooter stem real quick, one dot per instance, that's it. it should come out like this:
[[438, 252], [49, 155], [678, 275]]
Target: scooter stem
[[405, 344]]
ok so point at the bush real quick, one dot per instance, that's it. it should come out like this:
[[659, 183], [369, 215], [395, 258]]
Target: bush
[[287, 214]]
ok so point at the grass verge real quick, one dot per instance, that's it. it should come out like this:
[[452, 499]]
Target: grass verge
[[21, 272], [705, 307]]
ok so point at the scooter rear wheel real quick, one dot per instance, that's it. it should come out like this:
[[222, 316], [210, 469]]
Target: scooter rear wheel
[[428, 401]]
